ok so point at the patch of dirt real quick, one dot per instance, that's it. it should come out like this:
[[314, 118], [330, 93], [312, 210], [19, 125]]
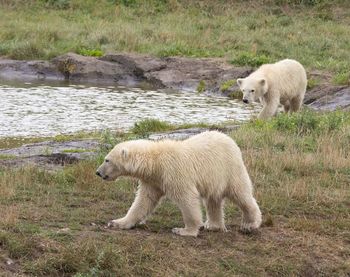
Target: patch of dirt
[[8, 266]]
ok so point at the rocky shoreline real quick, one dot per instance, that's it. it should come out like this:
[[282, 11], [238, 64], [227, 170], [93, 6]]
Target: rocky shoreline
[[205, 75], [53, 155]]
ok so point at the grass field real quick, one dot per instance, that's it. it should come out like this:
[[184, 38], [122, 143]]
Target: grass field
[[315, 32], [52, 223]]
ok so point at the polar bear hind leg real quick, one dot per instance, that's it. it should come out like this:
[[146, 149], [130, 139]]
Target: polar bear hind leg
[[296, 103], [250, 210], [286, 106], [251, 214]]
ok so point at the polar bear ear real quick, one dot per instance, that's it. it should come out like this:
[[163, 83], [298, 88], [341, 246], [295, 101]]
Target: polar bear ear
[[262, 82], [124, 153], [239, 82]]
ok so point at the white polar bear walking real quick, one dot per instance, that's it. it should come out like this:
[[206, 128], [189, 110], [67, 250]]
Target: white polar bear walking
[[282, 82], [207, 166]]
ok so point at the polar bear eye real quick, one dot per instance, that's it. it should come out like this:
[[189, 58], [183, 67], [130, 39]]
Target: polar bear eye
[[106, 160], [252, 91]]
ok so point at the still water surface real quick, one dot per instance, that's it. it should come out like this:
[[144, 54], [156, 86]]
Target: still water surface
[[41, 110]]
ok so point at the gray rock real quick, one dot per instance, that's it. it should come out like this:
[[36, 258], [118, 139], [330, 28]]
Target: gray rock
[[50, 154], [182, 134], [329, 98]]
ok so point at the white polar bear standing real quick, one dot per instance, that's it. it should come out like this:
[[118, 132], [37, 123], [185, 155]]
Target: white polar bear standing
[[207, 166], [282, 82]]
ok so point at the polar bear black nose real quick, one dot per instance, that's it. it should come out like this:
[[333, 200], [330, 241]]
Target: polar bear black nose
[[98, 173], [245, 101]]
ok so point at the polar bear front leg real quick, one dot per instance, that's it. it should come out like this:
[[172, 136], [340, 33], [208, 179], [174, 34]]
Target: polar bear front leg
[[192, 216], [215, 215], [269, 109], [146, 200]]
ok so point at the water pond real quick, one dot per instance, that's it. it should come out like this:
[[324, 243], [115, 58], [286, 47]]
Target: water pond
[[38, 110]]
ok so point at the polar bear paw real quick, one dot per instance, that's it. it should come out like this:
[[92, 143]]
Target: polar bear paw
[[185, 232], [210, 226], [120, 223], [248, 227]]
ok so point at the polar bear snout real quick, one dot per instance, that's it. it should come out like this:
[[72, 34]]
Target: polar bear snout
[[104, 177], [108, 171], [246, 101]]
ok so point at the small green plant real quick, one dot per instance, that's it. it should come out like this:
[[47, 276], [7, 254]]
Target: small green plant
[[311, 83], [109, 140], [201, 87], [90, 52], [251, 59], [226, 85], [146, 126]]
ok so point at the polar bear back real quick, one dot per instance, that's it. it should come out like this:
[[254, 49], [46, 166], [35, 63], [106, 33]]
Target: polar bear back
[[286, 77], [211, 161]]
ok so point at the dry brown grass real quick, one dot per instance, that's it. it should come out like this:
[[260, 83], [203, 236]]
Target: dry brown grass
[[301, 183]]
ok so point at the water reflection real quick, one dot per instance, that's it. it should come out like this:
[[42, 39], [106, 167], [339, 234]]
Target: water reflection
[[50, 110]]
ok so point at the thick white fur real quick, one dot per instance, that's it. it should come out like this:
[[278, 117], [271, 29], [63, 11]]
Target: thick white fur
[[207, 166], [282, 82]]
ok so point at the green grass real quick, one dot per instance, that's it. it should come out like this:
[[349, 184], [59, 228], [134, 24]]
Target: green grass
[[90, 52], [6, 157], [248, 58], [306, 122], [149, 125], [342, 78], [244, 33], [299, 165]]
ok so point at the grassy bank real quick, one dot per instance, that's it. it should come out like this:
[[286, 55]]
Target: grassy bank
[[245, 32], [52, 223]]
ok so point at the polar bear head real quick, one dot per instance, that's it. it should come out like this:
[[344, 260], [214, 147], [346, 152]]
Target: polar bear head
[[114, 163], [125, 159], [252, 88]]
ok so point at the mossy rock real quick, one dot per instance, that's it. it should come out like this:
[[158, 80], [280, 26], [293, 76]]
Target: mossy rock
[[225, 86], [237, 94]]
